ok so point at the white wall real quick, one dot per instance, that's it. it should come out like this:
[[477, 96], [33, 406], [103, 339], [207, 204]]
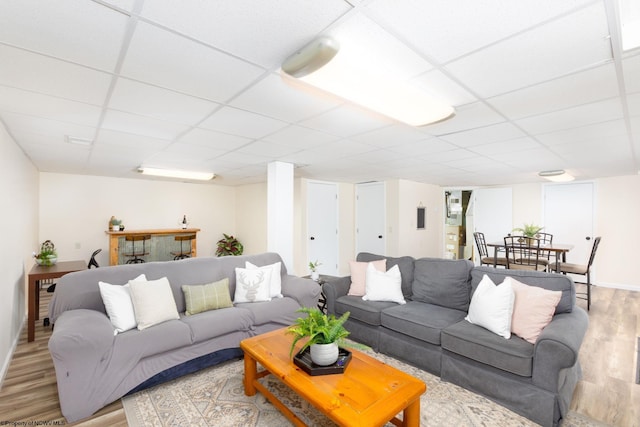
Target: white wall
[[19, 216], [251, 217], [75, 210]]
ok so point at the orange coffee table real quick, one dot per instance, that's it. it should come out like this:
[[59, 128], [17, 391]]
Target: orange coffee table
[[368, 393]]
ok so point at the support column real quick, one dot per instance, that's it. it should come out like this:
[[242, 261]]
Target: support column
[[280, 211]]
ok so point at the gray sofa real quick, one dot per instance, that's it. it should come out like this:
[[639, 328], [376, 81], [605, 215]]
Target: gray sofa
[[94, 367], [536, 381]]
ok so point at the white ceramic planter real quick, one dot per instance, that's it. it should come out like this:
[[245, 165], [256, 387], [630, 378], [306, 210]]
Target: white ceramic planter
[[324, 354], [315, 275]]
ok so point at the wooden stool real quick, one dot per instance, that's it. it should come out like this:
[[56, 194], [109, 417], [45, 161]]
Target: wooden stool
[[183, 254], [136, 255]]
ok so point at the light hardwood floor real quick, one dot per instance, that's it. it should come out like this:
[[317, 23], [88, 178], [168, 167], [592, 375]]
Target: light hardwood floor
[[607, 393]]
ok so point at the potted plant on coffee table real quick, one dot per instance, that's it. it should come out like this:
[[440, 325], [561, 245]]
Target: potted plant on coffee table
[[325, 334]]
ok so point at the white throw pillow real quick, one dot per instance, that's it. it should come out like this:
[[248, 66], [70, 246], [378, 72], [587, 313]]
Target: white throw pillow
[[492, 306], [153, 302], [252, 285], [275, 284], [117, 302], [385, 286]]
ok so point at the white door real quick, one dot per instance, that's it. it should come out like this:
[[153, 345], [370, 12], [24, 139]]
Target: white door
[[492, 215], [322, 226], [370, 218], [568, 215]]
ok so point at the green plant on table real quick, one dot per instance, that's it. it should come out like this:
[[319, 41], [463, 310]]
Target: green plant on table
[[529, 230], [47, 252], [314, 265], [320, 328], [229, 245]]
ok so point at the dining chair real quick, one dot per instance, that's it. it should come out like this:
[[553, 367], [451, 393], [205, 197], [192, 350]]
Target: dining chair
[[545, 256], [483, 252], [583, 270], [523, 253]]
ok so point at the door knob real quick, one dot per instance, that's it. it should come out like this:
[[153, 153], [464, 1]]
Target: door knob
[[380, 236], [588, 238], [313, 238]]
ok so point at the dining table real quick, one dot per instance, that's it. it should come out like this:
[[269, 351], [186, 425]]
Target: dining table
[[559, 250]]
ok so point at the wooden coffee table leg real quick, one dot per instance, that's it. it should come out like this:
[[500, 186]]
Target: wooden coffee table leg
[[411, 415], [250, 372]]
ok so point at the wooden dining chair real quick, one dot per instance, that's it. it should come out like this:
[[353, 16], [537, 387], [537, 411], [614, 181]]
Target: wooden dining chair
[[583, 270], [483, 252], [523, 253]]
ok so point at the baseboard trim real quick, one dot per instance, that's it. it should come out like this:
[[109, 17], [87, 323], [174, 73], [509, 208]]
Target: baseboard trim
[[9, 358], [622, 286]]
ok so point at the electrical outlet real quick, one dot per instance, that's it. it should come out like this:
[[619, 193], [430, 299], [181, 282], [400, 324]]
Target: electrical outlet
[[78, 245]]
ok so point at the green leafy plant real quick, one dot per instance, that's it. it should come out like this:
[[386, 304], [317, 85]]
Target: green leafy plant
[[229, 245], [320, 328], [529, 230], [314, 265], [47, 252]]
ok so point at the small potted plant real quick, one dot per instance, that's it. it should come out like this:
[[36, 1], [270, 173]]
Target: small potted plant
[[229, 245], [48, 255], [325, 334], [529, 230], [115, 223], [313, 267]]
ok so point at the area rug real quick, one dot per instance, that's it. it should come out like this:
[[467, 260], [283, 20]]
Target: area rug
[[215, 397]]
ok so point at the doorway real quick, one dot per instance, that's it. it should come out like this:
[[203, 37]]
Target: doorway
[[456, 204], [370, 218], [322, 226]]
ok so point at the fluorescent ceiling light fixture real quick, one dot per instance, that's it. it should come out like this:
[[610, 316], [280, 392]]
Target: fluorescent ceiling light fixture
[[320, 64], [629, 18], [172, 173], [556, 175], [78, 141]]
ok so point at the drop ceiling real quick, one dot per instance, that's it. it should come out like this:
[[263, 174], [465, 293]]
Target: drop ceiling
[[197, 85]]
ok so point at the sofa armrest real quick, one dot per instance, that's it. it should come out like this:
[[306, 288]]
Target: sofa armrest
[[305, 291], [558, 347], [81, 342], [334, 288]]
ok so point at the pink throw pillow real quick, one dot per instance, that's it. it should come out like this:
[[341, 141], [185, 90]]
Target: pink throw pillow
[[532, 310], [359, 275]]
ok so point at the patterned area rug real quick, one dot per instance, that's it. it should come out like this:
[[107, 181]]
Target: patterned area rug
[[215, 397]]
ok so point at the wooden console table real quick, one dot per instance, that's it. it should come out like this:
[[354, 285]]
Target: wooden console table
[[114, 237]]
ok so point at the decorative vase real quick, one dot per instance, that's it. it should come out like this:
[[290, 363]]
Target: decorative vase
[[324, 354], [51, 260], [315, 275]]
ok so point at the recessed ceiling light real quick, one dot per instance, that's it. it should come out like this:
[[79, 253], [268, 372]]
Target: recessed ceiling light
[[557, 175], [173, 173]]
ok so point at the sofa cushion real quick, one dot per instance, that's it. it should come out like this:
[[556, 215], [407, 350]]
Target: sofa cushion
[[365, 311], [405, 264], [532, 310], [552, 282], [514, 355], [384, 286], [442, 282], [275, 281], [492, 306], [420, 320], [117, 302], [252, 285], [358, 272], [278, 310], [153, 302], [211, 296], [215, 323], [136, 344]]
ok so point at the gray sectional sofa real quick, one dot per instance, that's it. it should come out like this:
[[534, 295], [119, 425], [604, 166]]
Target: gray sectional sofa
[[95, 367], [429, 331]]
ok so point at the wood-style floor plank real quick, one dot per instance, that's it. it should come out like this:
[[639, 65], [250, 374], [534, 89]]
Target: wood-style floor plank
[[607, 392]]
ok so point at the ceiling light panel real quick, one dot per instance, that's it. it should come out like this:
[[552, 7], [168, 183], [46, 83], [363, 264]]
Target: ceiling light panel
[[171, 173]]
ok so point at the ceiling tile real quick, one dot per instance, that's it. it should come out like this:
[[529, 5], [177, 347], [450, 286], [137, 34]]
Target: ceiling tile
[[116, 142], [242, 123], [140, 125], [261, 32], [633, 102], [444, 31], [347, 120], [510, 146], [271, 150], [34, 72], [300, 137], [286, 101], [49, 107], [580, 88], [468, 116], [139, 98], [391, 136], [484, 135], [531, 57], [168, 60], [595, 112], [83, 32], [424, 147], [192, 151], [631, 67], [53, 130], [600, 131], [212, 139], [445, 88]]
